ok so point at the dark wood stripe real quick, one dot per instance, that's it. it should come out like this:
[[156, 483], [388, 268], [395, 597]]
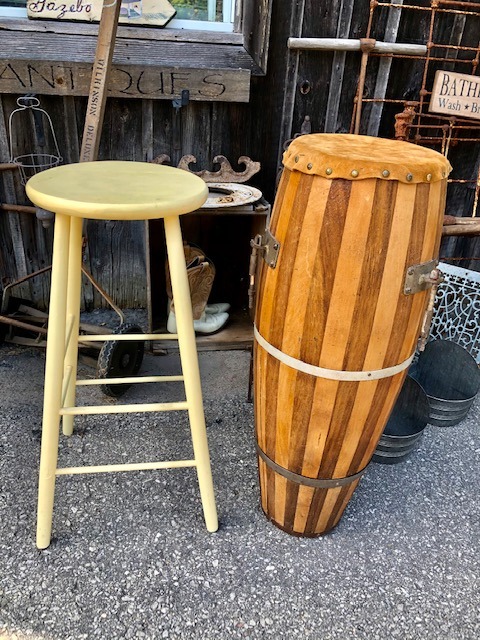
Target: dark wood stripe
[[414, 253], [316, 507], [302, 409], [371, 275], [338, 507], [287, 262], [378, 403], [321, 283], [262, 273], [344, 403], [273, 367], [279, 199]]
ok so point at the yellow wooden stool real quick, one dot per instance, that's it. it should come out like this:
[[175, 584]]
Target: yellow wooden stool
[[114, 190]]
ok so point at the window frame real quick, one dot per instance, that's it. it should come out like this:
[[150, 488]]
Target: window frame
[[249, 38]]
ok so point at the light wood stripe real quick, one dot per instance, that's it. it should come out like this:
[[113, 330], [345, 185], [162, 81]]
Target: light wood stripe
[[391, 287], [296, 314], [373, 268], [347, 276], [320, 417], [269, 277], [319, 290], [288, 255], [304, 500]]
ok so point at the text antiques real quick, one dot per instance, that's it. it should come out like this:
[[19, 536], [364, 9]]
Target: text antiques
[[456, 94], [129, 81]]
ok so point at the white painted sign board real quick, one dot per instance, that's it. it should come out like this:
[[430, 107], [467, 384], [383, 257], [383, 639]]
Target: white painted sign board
[[154, 12], [456, 94]]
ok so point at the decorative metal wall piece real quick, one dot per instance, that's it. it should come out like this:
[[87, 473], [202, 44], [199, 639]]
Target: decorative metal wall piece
[[457, 308]]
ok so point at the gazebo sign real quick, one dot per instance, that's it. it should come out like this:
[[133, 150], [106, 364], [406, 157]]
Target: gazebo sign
[[456, 94], [154, 12]]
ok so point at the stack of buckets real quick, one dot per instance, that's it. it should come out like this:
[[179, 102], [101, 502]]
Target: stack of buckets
[[439, 390]]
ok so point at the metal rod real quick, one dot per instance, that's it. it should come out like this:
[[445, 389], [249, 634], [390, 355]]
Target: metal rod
[[19, 208], [6, 166], [22, 325], [346, 44]]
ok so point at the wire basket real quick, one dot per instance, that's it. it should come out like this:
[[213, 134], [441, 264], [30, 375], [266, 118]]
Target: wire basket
[[31, 163]]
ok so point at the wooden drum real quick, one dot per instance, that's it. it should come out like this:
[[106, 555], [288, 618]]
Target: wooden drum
[[357, 223]]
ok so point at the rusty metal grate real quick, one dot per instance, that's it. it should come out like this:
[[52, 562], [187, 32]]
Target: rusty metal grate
[[415, 123]]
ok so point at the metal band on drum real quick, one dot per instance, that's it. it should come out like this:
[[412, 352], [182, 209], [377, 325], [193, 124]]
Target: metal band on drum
[[331, 374], [316, 483]]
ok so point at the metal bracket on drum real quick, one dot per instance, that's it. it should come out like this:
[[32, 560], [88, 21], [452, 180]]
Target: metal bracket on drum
[[269, 245], [270, 248], [420, 277]]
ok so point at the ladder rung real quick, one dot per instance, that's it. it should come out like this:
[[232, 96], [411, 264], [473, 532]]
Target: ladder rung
[[140, 466], [133, 380], [123, 408]]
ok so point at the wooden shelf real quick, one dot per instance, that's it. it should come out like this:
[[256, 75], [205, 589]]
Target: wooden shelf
[[237, 334]]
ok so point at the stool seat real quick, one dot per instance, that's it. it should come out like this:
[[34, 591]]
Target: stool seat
[[117, 190]]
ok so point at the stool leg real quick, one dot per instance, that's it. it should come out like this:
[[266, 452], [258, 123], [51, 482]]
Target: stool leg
[[191, 373], [53, 380], [73, 318]]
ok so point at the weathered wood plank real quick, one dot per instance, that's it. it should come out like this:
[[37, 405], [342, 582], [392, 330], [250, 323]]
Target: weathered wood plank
[[127, 33], [52, 77]]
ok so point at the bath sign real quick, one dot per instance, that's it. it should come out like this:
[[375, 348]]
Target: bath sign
[[456, 94], [154, 12]]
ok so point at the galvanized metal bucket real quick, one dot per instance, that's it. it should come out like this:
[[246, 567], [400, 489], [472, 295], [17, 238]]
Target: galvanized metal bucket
[[451, 379], [405, 426]]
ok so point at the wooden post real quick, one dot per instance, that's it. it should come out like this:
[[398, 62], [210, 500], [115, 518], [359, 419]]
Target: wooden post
[[99, 82]]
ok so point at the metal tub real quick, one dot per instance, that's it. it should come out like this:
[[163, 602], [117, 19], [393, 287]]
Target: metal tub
[[451, 379], [405, 426]]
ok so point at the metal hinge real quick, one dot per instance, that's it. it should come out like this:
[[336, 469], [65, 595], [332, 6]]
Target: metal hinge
[[269, 246], [420, 277]]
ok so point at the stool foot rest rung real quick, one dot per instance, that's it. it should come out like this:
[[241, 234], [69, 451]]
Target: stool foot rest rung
[[127, 337], [134, 466], [131, 380], [124, 408]]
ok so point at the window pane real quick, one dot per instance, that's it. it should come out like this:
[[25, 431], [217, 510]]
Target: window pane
[[212, 10]]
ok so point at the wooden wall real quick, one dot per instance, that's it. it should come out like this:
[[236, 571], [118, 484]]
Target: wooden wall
[[319, 85]]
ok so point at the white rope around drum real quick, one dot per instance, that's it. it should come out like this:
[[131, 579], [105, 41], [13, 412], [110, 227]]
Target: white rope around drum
[[331, 374]]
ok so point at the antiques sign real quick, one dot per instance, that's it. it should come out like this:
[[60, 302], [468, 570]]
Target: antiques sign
[[456, 94], [127, 81], [157, 12]]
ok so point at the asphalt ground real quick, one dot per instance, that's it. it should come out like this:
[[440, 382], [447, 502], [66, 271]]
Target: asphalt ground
[[131, 558]]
